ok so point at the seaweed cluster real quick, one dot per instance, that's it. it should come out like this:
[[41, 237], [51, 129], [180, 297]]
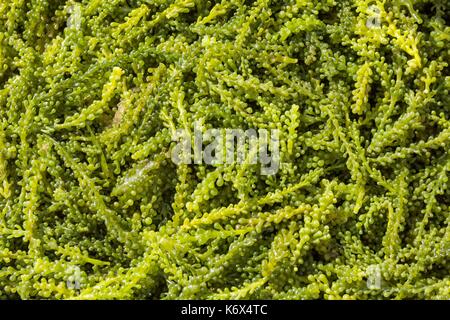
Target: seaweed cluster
[[92, 207]]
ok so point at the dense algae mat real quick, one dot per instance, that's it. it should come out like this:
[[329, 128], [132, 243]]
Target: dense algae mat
[[92, 207]]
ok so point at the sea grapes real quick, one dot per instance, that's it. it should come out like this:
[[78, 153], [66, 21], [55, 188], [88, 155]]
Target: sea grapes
[[93, 207]]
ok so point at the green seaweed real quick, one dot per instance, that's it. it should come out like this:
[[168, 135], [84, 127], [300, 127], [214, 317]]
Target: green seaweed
[[92, 207]]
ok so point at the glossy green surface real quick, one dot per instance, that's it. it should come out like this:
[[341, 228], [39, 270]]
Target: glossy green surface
[[91, 206]]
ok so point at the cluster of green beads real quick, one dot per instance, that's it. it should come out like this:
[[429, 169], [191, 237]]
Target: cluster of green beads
[[92, 207]]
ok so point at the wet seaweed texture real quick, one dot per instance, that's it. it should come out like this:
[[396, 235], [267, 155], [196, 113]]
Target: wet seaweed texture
[[92, 207]]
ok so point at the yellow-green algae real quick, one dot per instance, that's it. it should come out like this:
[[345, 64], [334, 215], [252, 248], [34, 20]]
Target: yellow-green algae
[[91, 207]]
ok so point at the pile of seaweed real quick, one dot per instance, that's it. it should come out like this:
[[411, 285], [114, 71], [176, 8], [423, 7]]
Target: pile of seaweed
[[93, 91]]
